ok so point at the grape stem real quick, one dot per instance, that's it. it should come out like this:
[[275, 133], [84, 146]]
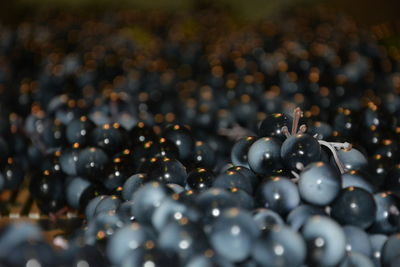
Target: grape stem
[[296, 177], [300, 167], [296, 118], [297, 114], [285, 131], [332, 146]]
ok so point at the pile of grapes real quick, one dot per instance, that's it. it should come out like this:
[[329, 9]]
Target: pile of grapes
[[196, 140]]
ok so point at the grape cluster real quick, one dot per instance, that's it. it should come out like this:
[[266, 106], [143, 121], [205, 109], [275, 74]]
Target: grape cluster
[[194, 140]]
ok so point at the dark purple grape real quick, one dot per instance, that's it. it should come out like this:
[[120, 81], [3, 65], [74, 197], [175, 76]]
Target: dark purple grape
[[389, 148], [75, 190], [377, 242], [319, 184], [154, 149], [372, 137], [68, 159], [240, 150], [147, 199], [102, 226], [125, 212], [116, 173], [267, 219], [54, 134], [272, 126], [281, 246], [357, 240], [188, 197], [125, 240], [326, 241], [233, 234], [250, 175], [91, 207], [243, 200], [299, 215], [109, 137], [213, 202], [387, 216], [354, 206], [352, 159], [183, 139], [173, 209], [300, 149], [91, 163], [231, 179], [345, 122], [264, 155], [204, 155], [378, 167], [166, 170], [79, 131], [200, 179], [52, 163], [184, 238], [46, 186], [375, 116], [132, 184], [141, 154], [90, 193], [358, 179], [107, 204], [65, 108], [13, 174], [279, 194], [166, 149], [391, 250], [142, 133]]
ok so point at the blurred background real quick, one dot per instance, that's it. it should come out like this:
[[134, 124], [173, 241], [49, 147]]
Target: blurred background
[[381, 17], [369, 12]]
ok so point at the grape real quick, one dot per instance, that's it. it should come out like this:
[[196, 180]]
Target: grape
[[233, 234], [264, 155], [279, 194], [300, 148], [319, 184], [326, 241], [354, 206]]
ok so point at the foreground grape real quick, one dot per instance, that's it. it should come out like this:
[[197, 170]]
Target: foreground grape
[[210, 144]]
